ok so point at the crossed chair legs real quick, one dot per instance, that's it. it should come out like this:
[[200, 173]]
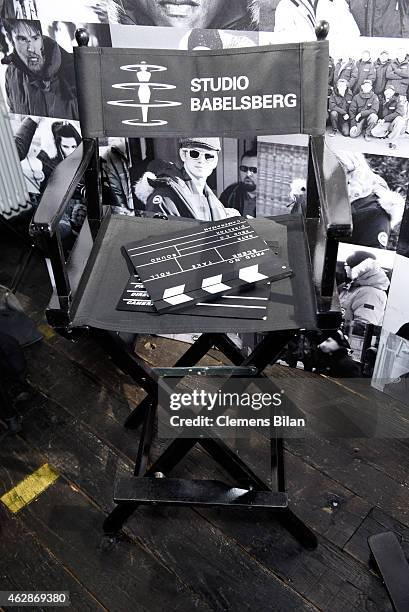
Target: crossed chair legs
[[152, 485]]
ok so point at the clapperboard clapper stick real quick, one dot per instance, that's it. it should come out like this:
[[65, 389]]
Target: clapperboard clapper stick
[[182, 268], [250, 302]]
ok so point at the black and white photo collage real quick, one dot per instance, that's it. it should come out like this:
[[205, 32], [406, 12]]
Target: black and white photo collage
[[368, 130]]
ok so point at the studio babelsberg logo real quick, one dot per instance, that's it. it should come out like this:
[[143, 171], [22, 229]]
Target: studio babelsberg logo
[[144, 87]]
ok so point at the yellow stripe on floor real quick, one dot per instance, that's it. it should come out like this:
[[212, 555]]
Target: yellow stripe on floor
[[46, 330], [31, 487]]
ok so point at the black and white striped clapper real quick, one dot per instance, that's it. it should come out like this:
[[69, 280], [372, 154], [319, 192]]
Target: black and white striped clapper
[[211, 258]]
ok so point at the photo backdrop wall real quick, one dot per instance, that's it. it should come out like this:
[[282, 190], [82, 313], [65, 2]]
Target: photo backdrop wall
[[371, 138]]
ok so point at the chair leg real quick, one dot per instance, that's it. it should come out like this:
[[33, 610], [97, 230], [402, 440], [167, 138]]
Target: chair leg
[[232, 463], [299, 530], [194, 353], [164, 464]]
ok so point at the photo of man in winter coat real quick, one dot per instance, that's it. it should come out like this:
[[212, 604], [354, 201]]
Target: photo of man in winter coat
[[338, 108], [364, 70], [387, 18], [344, 69], [184, 192], [364, 111], [391, 117], [381, 66], [363, 297], [40, 78], [397, 74]]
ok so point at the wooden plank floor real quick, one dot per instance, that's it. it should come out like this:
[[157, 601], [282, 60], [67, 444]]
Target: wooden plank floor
[[182, 559]]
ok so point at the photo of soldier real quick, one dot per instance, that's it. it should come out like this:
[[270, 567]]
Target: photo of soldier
[[237, 15], [387, 71], [397, 73], [381, 66], [344, 70], [242, 195], [391, 122], [364, 111], [364, 70], [338, 108], [39, 78]]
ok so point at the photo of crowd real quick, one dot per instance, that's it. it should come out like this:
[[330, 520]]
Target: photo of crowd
[[368, 97]]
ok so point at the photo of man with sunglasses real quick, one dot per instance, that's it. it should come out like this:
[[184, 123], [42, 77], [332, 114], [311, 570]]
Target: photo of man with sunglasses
[[242, 195], [184, 192]]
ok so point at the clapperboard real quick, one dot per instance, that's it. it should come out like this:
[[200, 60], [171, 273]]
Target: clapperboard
[[216, 258], [247, 303]]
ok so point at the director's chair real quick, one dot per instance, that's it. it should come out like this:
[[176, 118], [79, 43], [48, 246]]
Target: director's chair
[[86, 288]]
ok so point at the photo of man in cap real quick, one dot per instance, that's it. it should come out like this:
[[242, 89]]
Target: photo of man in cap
[[237, 15], [242, 195], [363, 296], [184, 192], [391, 122], [364, 111], [40, 78]]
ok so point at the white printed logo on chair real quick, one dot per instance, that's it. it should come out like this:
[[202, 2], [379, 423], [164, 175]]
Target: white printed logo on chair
[[144, 87]]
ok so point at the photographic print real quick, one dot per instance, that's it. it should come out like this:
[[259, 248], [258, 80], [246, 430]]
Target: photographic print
[[377, 189], [19, 9], [203, 14], [368, 87], [378, 18], [147, 37], [84, 11], [403, 242], [391, 374], [363, 279], [63, 33], [201, 178], [282, 175], [36, 73]]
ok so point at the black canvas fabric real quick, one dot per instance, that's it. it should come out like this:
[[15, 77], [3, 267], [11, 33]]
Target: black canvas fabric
[[114, 84], [292, 305]]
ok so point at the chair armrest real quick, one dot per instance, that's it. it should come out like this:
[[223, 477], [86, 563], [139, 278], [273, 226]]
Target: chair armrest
[[60, 188], [332, 190]]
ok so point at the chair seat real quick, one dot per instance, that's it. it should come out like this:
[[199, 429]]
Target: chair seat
[[292, 305], [179, 492]]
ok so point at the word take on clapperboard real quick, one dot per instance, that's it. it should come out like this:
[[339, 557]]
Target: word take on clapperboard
[[204, 265]]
